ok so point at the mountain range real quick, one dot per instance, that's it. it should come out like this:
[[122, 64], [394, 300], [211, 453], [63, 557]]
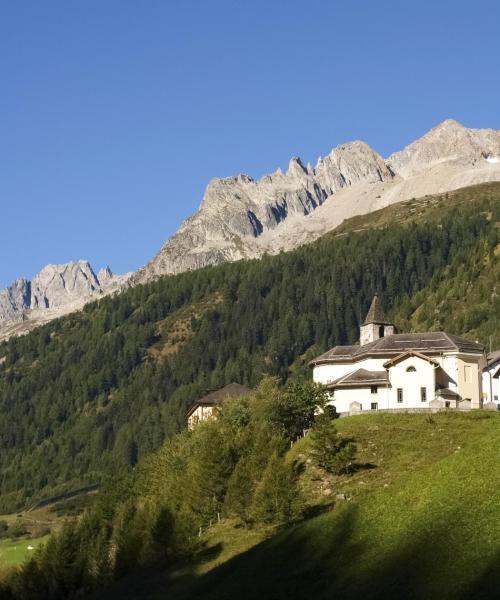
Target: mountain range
[[240, 217]]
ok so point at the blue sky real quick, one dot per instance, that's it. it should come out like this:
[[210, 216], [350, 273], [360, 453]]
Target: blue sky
[[115, 114]]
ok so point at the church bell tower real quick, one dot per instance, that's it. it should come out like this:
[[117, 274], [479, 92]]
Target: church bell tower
[[376, 325]]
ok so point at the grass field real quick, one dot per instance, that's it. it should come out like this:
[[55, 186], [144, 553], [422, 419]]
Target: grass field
[[13, 552], [419, 520]]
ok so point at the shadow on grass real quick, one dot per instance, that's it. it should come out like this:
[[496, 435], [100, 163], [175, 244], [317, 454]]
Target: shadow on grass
[[333, 556], [330, 559], [208, 553]]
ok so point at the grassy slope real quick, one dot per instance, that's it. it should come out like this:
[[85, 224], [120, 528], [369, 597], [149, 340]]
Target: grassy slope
[[424, 523], [14, 552]]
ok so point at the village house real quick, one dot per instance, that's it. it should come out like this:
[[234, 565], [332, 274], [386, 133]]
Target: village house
[[206, 407], [402, 371], [491, 379]]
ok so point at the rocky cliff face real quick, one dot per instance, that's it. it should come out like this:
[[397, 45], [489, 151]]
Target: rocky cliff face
[[240, 217], [237, 211], [449, 143], [54, 290]]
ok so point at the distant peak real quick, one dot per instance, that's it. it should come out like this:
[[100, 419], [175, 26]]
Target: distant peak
[[295, 166], [104, 274], [448, 124]]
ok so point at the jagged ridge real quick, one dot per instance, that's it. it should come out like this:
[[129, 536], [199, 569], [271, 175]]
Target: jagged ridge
[[240, 217]]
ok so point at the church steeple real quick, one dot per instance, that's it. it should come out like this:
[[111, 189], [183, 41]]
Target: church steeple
[[376, 325]]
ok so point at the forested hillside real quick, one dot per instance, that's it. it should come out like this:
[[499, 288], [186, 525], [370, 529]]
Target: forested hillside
[[91, 393]]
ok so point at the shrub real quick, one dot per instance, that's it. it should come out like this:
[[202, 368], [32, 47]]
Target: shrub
[[329, 450]]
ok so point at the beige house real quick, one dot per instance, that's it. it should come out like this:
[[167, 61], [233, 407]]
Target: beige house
[[206, 407], [406, 371]]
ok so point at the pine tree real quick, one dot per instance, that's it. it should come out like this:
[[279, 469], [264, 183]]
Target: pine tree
[[329, 450]]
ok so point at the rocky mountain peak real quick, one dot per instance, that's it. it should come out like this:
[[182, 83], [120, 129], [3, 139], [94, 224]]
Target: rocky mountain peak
[[296, 168], [57, 287], [448, 142], [105, 274]]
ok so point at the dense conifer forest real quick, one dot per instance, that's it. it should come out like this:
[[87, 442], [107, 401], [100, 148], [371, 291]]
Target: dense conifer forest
[[93, 393]]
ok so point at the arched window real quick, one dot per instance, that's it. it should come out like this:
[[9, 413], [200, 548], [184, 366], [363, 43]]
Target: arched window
[[411, 369], [381, 331]]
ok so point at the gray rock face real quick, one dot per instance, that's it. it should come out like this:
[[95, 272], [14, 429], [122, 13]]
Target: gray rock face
[[57, 285], [65, 287], [236, 211], [449, 142], [240, 217], [14, 299]]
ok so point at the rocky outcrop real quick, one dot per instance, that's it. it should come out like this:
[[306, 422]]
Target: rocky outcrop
[[449, 143], [14, 299], [58, 285], [56, 289]]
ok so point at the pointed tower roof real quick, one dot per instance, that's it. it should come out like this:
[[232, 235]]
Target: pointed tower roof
[[376, 313]]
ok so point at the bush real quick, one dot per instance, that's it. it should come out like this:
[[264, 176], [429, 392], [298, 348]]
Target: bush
[[16, 530], [329, 450], [4, 526]]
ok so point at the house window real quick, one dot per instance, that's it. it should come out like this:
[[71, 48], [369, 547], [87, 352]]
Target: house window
[[447, 404], [400, 394], [423, 394], [374, 389], [374, 405], [381, 331], [411, 369], [467, 377]]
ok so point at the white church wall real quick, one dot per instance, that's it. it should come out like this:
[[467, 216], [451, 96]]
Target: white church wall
[[344, 397], [411, 383], [329, 372]]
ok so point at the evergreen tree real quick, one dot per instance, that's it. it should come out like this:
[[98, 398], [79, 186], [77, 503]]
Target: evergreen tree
[[329, 450]]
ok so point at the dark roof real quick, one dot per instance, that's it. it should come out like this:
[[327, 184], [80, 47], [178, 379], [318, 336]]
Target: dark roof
[[232, 390], [493, 357], [376, 313], [426, 343], [447, 393], [395, 359], [360, 377]]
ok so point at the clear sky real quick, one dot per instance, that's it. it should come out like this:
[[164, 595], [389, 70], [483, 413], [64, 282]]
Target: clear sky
[[115, 114]]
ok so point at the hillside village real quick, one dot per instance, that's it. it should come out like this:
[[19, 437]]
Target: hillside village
[[392, 371]]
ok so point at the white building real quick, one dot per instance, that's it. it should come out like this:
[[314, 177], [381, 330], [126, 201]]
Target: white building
[[404, 371], [491, 379]]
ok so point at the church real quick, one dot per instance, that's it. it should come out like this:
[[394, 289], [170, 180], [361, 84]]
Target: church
[[402, 371]]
